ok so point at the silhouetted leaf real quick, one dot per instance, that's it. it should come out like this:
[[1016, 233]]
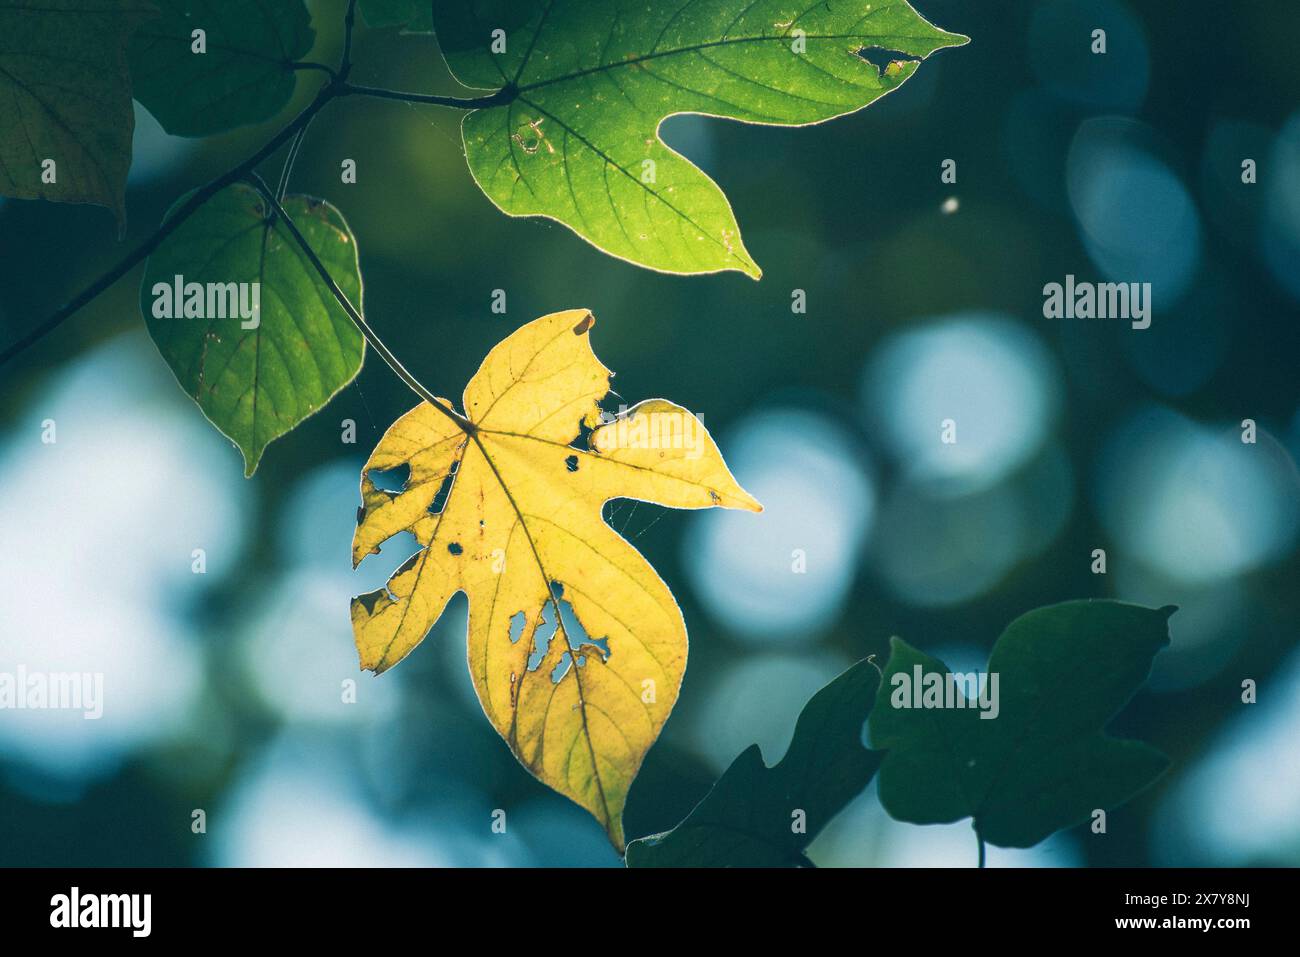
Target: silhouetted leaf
[[757, 816], [1043, 763], [65, 96], [245, 76]]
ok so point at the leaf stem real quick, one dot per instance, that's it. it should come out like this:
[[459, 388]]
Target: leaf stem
[[287, 170], [502, 96], [370, 335], [980, 837]]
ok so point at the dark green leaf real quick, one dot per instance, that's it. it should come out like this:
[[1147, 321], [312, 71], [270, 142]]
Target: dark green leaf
[[65, 96], [748, 819], [579, 143], [245, 76], [255, 384], [1043, 763]]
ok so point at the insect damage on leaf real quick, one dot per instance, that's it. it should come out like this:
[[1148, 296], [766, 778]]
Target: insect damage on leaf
[[576, 646], [1026, 755], [757, 816], [587, 85]]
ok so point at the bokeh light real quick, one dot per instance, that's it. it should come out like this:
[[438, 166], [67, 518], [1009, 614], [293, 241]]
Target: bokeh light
[[818, 503], [105, 578], [985, 373], [1136, 219], [1195, 503]]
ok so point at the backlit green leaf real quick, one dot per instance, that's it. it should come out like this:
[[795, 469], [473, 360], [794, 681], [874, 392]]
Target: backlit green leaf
[[255, 378], [590, 81]]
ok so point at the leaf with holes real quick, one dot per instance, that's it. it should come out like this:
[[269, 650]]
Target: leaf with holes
[[251, 332], [243, 73], [65, 99], [576, 646], [1029, 756], [757, 816], [585, 86]]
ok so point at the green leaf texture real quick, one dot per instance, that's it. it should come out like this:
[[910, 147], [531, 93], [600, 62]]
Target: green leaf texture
[[256, 384]]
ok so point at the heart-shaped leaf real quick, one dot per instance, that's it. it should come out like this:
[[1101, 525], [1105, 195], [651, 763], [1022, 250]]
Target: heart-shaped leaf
[[251, 332]]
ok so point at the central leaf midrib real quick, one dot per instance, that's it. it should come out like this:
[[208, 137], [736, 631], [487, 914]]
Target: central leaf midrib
[[555, 607], [695, 48]]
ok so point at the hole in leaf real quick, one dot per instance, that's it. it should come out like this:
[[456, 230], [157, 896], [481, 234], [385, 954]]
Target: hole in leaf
[[571, 463], [887, 62], [440, 500], [517, 622], [541, 642], [561, 667], [391, 480], [454, 548]]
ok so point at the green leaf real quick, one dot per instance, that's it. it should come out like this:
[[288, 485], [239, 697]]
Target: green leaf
[[65, 95], [1043, 763], [245, 76], [748, 819], [592, 80], [257, 383], [413, 16]]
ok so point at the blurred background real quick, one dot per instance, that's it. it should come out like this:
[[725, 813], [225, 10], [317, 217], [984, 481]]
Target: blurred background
[[924, 302]]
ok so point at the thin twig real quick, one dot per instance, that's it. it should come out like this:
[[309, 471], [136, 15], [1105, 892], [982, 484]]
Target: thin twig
[[294, 131], [287, 170], [370, 335]]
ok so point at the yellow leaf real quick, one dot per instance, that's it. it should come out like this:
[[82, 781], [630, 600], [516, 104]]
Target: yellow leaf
[[576, 646]]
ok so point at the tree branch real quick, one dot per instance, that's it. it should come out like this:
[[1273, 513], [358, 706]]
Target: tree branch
[[336, 88], [370, 335], [169, 226]]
